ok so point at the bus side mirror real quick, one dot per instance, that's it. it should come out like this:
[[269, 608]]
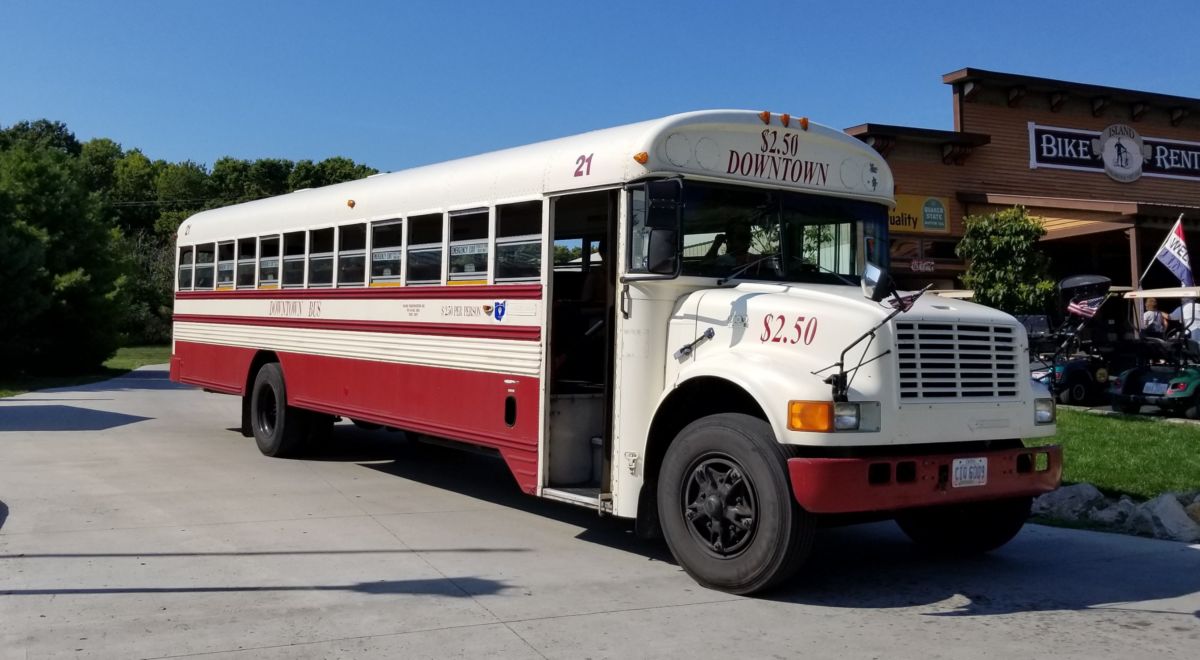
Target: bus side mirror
[[664, 215], [876, 282]]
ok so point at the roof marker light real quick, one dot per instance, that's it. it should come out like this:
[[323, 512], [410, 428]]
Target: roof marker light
[[765, 116], [804, 123], [785, 118], [350, 203], [641, 157]]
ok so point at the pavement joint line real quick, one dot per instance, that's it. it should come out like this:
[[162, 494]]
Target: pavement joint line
[[426, 561]]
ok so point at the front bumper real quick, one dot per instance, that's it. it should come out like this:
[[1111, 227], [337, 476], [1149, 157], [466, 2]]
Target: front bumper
[[855, 485]]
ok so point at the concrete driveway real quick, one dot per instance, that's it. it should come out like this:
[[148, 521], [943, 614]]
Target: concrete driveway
[[134, 522]]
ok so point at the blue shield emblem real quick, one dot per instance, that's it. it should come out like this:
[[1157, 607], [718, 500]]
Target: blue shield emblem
[[498, 310]]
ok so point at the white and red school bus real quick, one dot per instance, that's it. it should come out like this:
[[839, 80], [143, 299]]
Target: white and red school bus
[[684, 321]]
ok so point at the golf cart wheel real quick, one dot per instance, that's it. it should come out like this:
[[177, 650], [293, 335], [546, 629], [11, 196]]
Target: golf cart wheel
[[726, 506], [1075, 393], [966, 529]]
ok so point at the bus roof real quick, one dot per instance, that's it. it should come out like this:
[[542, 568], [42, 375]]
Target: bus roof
[[733, 145]]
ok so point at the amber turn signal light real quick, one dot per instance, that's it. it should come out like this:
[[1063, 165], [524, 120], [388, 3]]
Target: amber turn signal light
[[810, 416], [641, 157]]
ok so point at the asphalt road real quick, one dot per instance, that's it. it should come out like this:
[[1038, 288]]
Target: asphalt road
[[134, 522]]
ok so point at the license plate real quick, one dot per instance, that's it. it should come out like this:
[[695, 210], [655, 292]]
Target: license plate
[[1156, 389], [968, 472]]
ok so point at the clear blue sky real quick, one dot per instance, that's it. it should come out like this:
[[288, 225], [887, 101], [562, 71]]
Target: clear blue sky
[[397, 84]]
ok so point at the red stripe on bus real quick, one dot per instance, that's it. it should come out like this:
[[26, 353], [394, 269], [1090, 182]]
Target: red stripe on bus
[[468, 406], [517, 332], [497, 292]]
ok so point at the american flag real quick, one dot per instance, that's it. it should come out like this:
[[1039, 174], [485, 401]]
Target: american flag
[[1086, 308]]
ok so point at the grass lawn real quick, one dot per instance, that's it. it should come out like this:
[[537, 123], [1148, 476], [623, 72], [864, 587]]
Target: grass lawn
[[125, 360], [1133, 455]]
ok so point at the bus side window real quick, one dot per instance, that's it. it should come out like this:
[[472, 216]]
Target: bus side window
[[425, 249], [320, 257], [225, 264], [185, 268], [387, 241], [205, 256], [246, 249], [293, 259], [519, 242], [268, 262], [352, 254], [469, 247]]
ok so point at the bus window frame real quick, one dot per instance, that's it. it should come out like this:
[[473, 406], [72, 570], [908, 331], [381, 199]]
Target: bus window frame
[[260, 283], [191, 267], [362, 252], [232, 265], [239, 261], [472, 277], [302, 257], [410, 247], [517, 239], [372, 249]]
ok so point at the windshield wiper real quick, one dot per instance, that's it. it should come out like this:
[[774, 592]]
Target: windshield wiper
[[745, 267]]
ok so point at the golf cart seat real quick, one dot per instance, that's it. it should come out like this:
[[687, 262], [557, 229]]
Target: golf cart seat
[[1155, 348]]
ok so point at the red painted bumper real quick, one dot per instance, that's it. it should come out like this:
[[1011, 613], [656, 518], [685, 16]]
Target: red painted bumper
[[852, 485]]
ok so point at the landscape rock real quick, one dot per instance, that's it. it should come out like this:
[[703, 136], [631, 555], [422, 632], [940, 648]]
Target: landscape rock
[[1165, 518], [1117, 515], [1070, 502], [1193, 511]]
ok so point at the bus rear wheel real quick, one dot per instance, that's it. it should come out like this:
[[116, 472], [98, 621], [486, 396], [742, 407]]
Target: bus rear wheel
[[966, 529], [279, 429], [726, 505]]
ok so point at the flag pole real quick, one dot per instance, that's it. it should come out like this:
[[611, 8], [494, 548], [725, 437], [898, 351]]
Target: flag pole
[[1160, 247]]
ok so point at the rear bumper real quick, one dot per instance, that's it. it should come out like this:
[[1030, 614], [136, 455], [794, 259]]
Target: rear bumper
[[855, 485]]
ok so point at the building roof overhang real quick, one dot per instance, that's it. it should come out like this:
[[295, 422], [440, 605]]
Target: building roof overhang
[[955, 145]]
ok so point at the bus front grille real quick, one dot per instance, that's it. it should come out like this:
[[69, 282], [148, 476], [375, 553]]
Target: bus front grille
[[948, 361]]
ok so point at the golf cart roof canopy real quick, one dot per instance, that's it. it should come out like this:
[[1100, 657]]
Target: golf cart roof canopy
[[1173, 292]]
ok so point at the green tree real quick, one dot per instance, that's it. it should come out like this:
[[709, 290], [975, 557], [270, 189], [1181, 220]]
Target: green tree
[[269, 177], [1004, 265], [65, 299], [99, 158], [181, 186], [339, 169], [41, 134], [229, 181], [134, 196]]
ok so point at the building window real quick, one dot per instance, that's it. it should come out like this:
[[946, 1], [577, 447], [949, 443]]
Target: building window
[[425, 249], [469, 247], [387, 243], [320, 257], [352, 255], [225, 264], [519, 242], [185, 268], [268, 262], [293, 259], [246, 262], [205, 256]]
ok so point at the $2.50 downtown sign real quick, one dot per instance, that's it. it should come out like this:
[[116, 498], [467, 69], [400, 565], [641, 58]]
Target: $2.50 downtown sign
[[1118, 150]]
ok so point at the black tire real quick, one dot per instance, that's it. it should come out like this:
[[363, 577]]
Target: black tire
[[966, 529], [1075, 393], [279, 429], [1193, 409], [735, 459]]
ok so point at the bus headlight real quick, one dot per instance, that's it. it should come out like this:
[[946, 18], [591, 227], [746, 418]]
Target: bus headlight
[[1043, 411], [845, 416]]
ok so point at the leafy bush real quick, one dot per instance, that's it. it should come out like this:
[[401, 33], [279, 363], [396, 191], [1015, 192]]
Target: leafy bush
[[1005, 268]]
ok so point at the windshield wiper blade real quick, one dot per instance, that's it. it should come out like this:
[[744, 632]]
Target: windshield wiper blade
[[745, 267]]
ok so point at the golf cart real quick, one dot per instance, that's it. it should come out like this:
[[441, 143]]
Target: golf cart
[[1075, 358], [1167, 374]]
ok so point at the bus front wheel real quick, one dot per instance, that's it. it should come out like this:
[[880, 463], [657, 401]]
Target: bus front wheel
[[726, 505], [279, 429]]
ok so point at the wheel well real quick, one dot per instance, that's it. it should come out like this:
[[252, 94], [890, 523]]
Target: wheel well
[[260, 358], [691, 400]]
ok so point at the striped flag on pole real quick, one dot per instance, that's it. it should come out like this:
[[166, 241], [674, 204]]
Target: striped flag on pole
[[1086, 308], [1173, 254]]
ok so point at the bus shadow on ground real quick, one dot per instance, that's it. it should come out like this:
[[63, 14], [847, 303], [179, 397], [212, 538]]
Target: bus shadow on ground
[[3, 514], [61, 418], [137, 380], [861, 566]]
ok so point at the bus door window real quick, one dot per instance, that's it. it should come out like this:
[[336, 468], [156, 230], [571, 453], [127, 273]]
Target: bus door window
[[268, 262], [425, 249], [185, 268], [246, 262], [469, 247], [387, 241], [293, 259], [225, 264], [352, 255], [320, 257], [519, 242], [205, 256]]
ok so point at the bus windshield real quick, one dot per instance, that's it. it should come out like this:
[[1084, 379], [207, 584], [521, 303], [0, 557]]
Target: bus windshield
[[776, 235]]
